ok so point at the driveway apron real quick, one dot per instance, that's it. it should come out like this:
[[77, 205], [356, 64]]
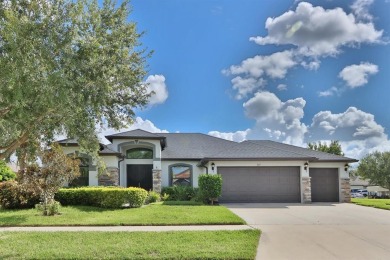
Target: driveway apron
[[318, 230]]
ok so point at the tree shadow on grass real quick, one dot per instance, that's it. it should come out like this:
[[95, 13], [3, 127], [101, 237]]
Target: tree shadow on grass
[[8, 221], [90, 208]]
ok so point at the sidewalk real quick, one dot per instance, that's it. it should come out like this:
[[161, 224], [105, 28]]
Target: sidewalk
[[128, 228]]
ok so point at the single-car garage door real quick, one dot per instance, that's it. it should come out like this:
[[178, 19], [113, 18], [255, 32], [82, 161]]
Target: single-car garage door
[[324, 184], [260, 184]]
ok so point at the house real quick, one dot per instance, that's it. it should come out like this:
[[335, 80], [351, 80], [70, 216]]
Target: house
[[252, 171]]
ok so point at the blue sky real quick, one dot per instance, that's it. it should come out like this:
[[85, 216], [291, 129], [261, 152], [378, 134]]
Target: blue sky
[[290, 71]]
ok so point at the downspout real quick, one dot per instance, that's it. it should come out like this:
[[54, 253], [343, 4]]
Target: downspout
[[122, 158], [207, 169]]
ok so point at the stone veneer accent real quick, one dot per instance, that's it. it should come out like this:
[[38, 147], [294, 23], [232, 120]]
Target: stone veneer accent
[[345, 190], [306, 190], [157, 180], [109, 178]]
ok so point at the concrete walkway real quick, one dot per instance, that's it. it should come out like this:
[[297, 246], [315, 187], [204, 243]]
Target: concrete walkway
[[129, 228], [318, 230]]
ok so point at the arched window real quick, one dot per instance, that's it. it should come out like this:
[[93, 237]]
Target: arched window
[[139, 153], [180, 175]]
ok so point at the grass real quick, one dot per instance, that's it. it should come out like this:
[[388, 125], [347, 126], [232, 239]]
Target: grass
[[130, 245], [154, 214], [376, 203]]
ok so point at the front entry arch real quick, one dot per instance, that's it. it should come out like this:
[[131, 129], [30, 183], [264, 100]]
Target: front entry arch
[[140, 175]]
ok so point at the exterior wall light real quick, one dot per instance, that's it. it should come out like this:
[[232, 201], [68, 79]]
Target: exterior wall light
[[346, 167], [306, 165], [212, 166]]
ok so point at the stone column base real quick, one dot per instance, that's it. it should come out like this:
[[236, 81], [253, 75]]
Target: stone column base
[[157, 180], [306, 189], [109, 178], [345, 194]]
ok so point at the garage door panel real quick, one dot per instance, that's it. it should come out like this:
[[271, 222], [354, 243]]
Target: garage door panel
[[260, 184], [324, 184]]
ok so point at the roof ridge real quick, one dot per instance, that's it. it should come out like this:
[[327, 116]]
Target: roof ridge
[[280, 149]]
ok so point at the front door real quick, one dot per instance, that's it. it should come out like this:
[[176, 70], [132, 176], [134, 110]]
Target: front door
[[140, 175]]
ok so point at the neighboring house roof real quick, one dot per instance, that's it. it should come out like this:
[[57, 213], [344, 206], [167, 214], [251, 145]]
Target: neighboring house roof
[[357, 181], [68, 142], [104, 149]]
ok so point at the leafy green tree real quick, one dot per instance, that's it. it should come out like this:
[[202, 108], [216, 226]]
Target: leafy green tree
[[67, 66], [57, 170], [376, 167], [334, 147], [6, 173]]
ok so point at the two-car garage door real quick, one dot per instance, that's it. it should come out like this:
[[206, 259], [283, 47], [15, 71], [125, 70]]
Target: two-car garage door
[[260, 184]]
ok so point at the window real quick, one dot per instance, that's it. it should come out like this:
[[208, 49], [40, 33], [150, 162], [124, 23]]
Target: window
[[181, 175], [83, 179], [139, 153]]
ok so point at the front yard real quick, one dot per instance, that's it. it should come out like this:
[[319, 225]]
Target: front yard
[[376, 203], [155, 214], [130, 245]]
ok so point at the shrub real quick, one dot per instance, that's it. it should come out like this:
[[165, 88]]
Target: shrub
[[17, 196], [106, 197], [6, 174], [179, 193], [136, 197], [210, 185], [49, 209], [153, 197]]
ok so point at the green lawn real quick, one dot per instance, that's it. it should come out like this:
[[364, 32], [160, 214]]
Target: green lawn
[[157, 214], [376, 203], [130, 245]]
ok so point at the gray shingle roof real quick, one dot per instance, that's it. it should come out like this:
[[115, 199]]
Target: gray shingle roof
[[197, 146], [108, 149], [68, 142], [321, 156], [193, 145]]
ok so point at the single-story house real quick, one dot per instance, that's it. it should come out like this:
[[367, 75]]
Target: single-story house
[[252, 171]]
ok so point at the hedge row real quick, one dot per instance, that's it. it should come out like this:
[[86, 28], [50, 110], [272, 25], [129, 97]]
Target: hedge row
[[106, 197]]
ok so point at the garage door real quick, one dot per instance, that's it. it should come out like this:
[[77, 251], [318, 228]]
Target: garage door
[[260, 184], [324, 185]]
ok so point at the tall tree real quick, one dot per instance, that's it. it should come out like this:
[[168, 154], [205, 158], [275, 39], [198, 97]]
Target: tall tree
[[334, 147], [376, 168], [66, 67]]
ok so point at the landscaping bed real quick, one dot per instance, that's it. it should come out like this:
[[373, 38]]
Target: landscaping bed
[[154, 214], [376, 203]]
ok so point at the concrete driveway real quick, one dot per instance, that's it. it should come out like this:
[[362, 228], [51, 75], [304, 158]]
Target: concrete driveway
[[318, 230]]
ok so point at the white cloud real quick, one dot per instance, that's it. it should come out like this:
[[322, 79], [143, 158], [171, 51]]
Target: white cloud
[[360, 9], [318, 32], [282, 87], [276, 119], [357, 75], [357, 131], [156, 84], [273, 66], [253, 70], [245, 86], [329, 92], [311, 65], [237, 136]]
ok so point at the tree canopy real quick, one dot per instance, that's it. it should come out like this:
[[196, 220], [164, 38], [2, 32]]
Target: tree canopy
[[376, 168], [334, 147], [67, 66]]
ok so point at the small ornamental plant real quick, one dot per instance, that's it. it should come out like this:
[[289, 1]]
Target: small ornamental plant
[[210, 186]]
